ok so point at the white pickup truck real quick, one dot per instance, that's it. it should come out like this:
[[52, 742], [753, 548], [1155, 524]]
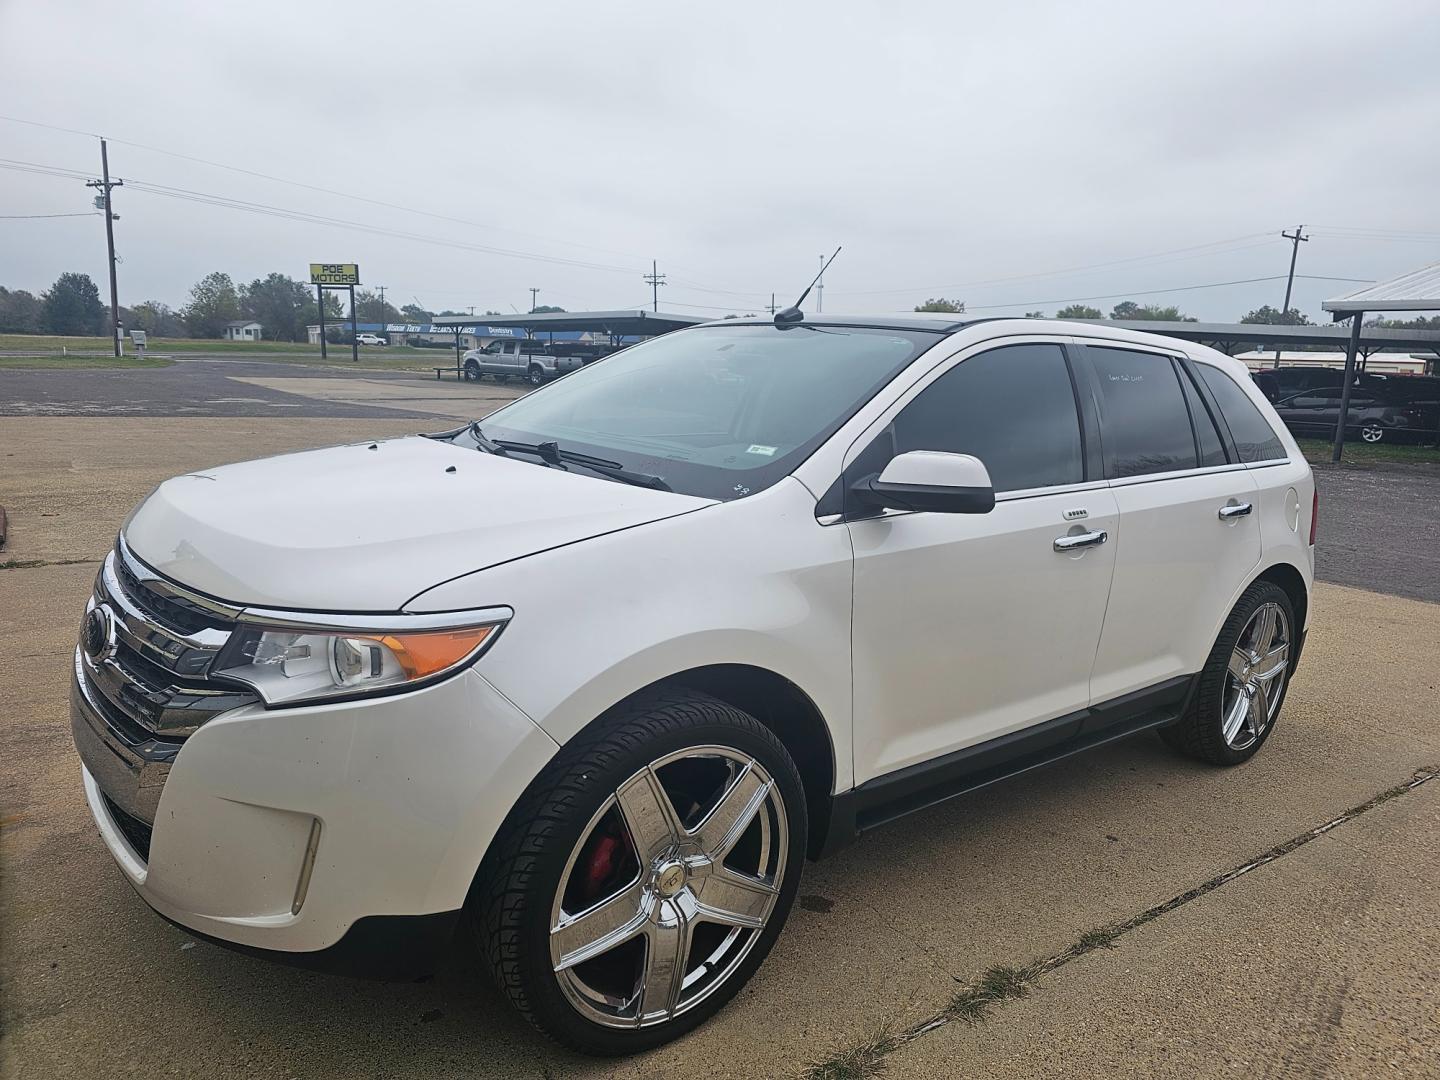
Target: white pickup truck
[[518, 359]]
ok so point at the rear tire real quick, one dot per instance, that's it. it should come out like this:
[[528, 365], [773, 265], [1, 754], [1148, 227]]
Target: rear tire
[[1242, 685], [1372, 433], [601, 906], [536, 375]]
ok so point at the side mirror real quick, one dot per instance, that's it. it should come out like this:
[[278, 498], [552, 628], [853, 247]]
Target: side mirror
[[929, 480]]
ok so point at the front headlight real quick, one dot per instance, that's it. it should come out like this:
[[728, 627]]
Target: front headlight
[[288, 661]]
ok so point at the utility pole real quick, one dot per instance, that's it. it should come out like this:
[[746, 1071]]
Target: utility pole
[[1295, 240], [820, 287], [533, 294], [655, 280], [105, 184], [772, 304], [382, 307]]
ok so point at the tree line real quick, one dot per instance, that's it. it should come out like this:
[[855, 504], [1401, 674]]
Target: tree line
[[1130, 310], [283, 305]]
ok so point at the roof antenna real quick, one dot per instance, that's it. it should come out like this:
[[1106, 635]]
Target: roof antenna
[[792, 314]]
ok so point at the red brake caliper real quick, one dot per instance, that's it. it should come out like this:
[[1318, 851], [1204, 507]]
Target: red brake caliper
[[602, 861]]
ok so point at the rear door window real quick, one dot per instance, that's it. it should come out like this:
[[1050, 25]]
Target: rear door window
[[1255, 439], [1146, 424]]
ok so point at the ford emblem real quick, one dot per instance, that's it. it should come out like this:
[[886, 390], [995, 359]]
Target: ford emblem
[[97, 633]]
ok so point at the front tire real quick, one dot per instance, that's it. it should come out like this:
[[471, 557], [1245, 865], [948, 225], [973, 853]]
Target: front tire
[[472, 371], [1372, 433], [1243, 683], [645, 874]]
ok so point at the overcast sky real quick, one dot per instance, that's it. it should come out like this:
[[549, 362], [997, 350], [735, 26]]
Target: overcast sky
[[944, 144]]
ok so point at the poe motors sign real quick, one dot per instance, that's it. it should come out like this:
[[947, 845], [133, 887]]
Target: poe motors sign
[[336, 276], [342, 274]]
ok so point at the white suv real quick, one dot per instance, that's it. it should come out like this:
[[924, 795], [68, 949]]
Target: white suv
[[584, 687]]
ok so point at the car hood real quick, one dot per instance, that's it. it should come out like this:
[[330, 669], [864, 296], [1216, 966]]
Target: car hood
[[366, 527]]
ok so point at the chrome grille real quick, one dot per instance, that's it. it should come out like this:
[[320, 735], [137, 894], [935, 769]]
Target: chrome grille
[[152, 678], [169, 611]]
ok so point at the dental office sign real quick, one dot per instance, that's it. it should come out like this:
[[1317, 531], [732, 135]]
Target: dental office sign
[[451, 328]]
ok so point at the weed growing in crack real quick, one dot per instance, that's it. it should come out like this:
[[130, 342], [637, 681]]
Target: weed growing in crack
[[859, 1062]]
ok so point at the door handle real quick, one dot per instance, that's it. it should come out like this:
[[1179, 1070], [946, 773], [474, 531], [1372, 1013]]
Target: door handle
[[1081, 540], [1235, 511]]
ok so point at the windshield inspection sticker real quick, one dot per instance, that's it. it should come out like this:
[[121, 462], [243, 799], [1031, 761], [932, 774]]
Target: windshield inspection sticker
[[768, 451]]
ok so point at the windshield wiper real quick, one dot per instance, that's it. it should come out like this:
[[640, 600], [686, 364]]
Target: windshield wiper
[[556, 458], [487, 444]]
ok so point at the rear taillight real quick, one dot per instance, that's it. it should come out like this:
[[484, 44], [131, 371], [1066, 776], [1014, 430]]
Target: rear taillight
[[1314, 514]]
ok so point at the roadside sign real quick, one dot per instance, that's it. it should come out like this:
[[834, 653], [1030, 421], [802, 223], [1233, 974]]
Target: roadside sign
[[334, 274], [138, 337]]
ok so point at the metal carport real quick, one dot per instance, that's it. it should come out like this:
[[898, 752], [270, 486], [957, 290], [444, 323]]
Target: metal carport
[[618, 324], [1418, 290]]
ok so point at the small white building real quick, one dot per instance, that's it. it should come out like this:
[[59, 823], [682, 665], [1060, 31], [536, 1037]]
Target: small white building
[[1379, 362], [242, 330]]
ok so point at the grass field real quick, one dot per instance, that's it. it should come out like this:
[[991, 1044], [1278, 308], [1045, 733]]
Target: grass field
[[54, 345], [1363, 453]]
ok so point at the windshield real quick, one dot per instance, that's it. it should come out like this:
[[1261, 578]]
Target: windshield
[[718, 411]]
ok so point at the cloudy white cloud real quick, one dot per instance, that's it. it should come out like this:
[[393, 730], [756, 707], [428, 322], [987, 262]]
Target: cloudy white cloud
[[944, 144]]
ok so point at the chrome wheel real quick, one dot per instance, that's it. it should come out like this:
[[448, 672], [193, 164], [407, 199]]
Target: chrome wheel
[[1372, 433], [669, 887], [1255, 677]]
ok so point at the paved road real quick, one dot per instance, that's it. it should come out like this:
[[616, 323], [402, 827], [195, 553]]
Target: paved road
[[1380, 529], [208, 388]]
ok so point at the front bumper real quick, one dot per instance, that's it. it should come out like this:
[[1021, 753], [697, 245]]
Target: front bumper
[[281, 830]]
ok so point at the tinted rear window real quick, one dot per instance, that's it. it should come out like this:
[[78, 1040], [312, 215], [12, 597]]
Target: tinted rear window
[[1255, 439], [1146, 423]]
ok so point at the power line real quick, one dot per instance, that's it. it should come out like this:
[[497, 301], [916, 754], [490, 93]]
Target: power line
[[271, 210], [36, 217], [315, 187], [1180, 288], [230, 203], [1216, 247], [43, 170]]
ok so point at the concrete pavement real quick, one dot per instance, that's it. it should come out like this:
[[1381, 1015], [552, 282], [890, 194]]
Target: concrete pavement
[[93, 984], [1323, 963]]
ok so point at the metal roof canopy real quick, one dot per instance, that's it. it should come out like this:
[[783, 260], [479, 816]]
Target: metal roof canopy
[[625, 323], [1418, 290], [1225, 335]]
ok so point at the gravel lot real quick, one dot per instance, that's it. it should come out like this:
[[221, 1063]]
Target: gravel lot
[[1380, 529]]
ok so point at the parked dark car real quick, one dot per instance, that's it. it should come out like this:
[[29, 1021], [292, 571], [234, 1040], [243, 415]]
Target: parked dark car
[[1380, 411], [1280, 383]]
